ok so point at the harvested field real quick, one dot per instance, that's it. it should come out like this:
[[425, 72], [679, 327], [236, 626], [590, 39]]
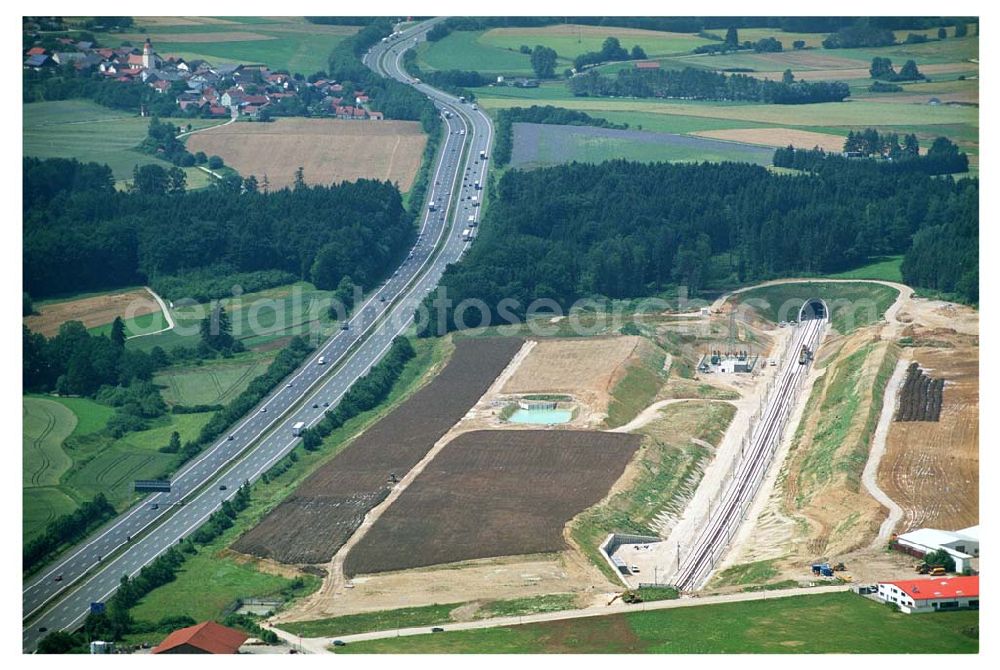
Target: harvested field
[[494, 493], [537, 144], [328, 150], [327, 508], [587, 368], [778, 137], [212, 38], [94, 311], [931, 469]]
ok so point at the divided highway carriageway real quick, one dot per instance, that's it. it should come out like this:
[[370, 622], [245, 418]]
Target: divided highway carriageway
[[59, 596]]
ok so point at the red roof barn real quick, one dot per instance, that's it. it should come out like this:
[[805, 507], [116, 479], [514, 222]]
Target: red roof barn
[[204, 638]]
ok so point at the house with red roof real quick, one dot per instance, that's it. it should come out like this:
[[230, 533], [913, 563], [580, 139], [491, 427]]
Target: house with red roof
[[204, 638], [935, 594], [647, 65], [35, 51]]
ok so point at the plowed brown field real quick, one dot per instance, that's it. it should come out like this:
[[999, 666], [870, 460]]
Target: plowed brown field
[[331, 503], [494, 493]]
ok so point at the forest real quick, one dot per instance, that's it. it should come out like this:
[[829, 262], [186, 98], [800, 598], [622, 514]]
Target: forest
[[80, 234], [624, 230], [943, 157], [707, 85]]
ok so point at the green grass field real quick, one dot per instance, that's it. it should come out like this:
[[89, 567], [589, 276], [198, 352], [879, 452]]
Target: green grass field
[[86, 131], [569, 41], [822, 623], [67, 458], [146, 323], [259, 319], [462, 50], [211, 383], [427, 615], [281, 43], [853, 305], [886, 269], [46, 425]]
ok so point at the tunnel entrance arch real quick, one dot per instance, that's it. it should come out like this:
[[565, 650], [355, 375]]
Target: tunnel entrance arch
[[814, 308]]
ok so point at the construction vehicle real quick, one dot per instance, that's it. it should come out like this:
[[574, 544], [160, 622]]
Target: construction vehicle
[[805, 355], [839, 567], [938, 571]]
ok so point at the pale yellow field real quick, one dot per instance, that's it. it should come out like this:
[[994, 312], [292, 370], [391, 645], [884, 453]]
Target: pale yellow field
[[328, 150], [778, 137]]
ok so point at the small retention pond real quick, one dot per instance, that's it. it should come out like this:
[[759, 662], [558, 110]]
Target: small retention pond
[[541, 416]]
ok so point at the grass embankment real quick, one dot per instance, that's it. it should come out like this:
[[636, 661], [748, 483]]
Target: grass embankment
[[848, 404], [822, 623], [852, 305], [428, 615], [215, 578], [638, 386], [669, 468], [757, 572]]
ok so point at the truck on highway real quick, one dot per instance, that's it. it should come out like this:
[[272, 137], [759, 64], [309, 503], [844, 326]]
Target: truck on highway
[[461, 99], [321, 361], [468, 234], [475, 201], [472, 220], [478, 186], [297, 428], [431, 206], [482, 154]]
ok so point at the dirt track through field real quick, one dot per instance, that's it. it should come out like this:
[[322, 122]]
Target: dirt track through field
[[328, 150]]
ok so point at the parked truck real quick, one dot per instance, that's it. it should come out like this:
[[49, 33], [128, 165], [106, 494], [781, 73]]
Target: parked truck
[[478, 187], [298, 427]]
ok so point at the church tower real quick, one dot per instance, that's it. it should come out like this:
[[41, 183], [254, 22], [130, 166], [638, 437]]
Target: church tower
[[147, 55]]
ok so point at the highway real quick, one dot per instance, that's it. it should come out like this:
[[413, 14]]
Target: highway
[[58, 598], [765, 435]]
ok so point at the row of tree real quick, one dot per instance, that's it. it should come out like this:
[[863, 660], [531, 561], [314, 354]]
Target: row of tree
[[943, 157], [611, 50], [692, 83], [506, 118], [625, 230], [81, 234]]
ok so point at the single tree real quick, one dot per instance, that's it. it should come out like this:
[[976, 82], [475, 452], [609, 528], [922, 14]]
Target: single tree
[[961, 29], [118, 332], [543, 62], [300, 178], [942, 34], [638, 53], [732, 37], [787, 77]]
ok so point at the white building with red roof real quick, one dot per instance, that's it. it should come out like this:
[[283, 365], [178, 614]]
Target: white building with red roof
[[931, 595]]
